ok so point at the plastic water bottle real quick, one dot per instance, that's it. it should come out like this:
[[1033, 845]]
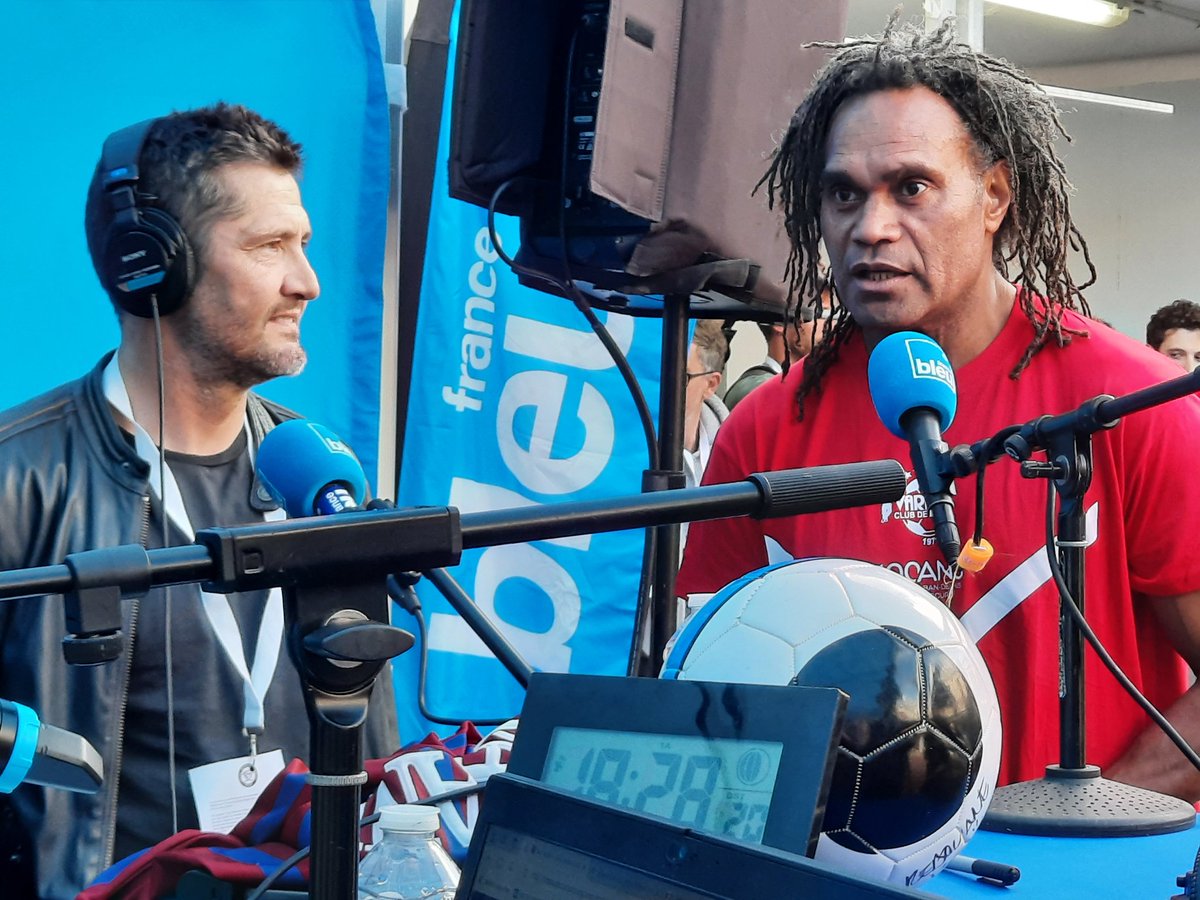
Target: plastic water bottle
[[408, 862]]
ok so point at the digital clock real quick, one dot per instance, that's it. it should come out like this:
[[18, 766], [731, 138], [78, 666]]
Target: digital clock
[[716, 785], [748, 762]]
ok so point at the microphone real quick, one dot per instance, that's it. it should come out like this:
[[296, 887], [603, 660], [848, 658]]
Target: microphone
[[913, 388], [309, 470], [45, 755]]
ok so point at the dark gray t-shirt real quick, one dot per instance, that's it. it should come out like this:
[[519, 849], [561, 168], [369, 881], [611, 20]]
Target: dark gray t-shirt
[[208, 723]]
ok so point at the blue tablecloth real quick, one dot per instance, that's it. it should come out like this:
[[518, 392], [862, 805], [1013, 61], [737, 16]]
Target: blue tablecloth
[[1130, 868]]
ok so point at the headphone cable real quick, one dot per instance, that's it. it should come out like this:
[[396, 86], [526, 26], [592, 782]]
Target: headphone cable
[[162, 483]]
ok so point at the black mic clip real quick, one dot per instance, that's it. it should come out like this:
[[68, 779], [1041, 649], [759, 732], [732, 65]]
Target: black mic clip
[[961, 461], [1066, 440], [932, 456], [400, 588], [92, 607], [933, 462], [1052, 433]]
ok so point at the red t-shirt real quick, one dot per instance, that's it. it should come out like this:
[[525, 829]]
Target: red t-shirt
[[1142, 505]]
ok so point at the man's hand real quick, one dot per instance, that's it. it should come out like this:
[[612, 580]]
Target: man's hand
[[1152, 760]]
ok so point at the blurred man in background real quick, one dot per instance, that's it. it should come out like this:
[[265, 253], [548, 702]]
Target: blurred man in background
[[1174, 331], [703, 411], [787, 344]]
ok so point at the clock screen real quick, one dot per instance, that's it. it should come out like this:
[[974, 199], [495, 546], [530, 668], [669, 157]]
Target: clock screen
[[715, 785]]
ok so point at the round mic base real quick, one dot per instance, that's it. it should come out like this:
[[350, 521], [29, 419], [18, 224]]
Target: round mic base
[[1080, 803]]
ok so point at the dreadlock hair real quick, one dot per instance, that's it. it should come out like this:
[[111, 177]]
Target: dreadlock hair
[[1008, 117]]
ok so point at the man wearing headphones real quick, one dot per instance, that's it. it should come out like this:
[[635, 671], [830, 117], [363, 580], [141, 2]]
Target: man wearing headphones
[[197, 232]]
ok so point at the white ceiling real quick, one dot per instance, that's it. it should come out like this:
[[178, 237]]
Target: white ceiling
[[1033, 41]]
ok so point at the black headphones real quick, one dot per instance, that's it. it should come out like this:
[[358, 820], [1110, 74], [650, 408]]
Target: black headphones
[[146, 254]]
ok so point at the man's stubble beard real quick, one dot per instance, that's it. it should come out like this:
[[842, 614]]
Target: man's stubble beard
[[215, 359]]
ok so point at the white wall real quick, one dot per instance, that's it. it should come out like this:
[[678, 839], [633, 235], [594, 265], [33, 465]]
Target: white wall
[[1137, 186]]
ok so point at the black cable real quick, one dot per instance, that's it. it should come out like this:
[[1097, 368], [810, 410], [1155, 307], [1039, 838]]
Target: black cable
[[992, 450], [649, 545], [302, 854], [421, 676], [1076, 614], [286, 866], [166, 542], [645, 583], [977, 534], [402, 589], [572, 292], [575, 295]]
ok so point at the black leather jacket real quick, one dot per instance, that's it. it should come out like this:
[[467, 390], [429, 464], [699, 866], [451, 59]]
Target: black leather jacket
[[69, 481]]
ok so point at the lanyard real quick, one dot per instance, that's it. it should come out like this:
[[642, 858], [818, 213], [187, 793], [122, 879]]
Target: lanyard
[[257, 678]]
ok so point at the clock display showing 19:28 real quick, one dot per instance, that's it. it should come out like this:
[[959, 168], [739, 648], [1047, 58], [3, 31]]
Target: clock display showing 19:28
[[716, 785]]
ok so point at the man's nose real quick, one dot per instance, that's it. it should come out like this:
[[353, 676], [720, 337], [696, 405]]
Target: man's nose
[[877, 221], [301, 279]]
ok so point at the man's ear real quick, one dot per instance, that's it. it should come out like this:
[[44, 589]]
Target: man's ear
[[997, 192]]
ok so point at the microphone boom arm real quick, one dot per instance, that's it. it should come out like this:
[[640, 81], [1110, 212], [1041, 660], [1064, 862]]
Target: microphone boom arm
[[378, 542]]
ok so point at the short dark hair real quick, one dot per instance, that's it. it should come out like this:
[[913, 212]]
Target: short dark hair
[[177, 170], [1180, 314], [1008, 118]]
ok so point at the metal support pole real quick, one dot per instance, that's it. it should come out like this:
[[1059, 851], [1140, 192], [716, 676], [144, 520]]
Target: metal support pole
[[668, 474], [1071, 537]]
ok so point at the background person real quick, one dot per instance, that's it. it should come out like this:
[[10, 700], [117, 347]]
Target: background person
[[759, 373], [787, 343], [703, 411], [1174, 331]]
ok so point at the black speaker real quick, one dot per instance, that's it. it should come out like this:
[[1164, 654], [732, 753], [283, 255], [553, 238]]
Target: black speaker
[[523, 129], [629, 135], [145, 252]]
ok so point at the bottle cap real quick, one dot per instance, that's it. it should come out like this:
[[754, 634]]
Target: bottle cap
[[408, 817]]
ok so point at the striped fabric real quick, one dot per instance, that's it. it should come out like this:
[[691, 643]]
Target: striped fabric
[[279, 824]]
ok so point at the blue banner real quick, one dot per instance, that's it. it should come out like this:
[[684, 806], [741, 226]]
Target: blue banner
[[514, 401], [88, 67]]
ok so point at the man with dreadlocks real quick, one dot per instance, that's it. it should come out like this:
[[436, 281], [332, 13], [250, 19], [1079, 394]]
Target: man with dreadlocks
[[928, 172]]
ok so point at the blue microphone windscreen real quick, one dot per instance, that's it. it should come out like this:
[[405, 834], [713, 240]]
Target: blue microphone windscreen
[[297, 459], [908, 370], [25, 731]]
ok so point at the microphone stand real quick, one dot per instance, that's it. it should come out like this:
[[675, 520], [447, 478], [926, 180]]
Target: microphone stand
[[1073, 799], [655, 619], [333, 572]]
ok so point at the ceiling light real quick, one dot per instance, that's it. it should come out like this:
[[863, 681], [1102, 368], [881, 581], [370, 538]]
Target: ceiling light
[[1090, 12], [1109, 99]]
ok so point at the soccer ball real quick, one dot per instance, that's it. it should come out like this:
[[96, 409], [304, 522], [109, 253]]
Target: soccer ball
[[920, 747]]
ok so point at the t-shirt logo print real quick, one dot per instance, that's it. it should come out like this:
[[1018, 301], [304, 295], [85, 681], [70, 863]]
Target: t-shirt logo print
[[910, 510]]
